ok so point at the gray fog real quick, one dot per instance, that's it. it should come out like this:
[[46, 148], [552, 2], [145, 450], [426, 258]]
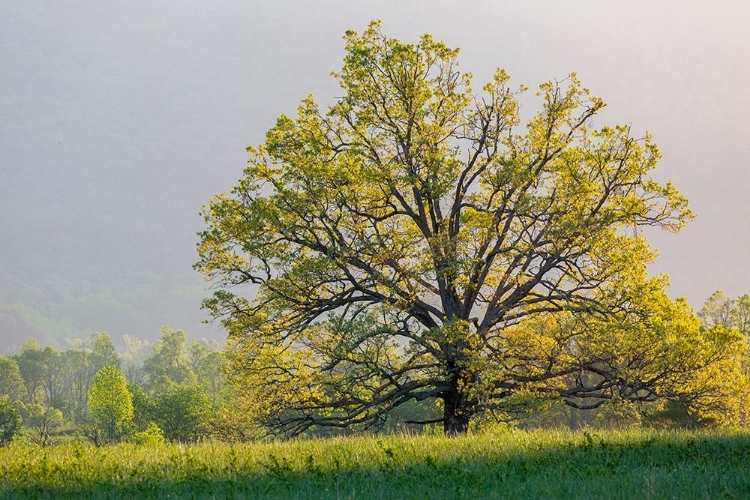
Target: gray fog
[[118, 120]]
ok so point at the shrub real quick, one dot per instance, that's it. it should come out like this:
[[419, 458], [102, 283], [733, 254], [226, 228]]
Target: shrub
[[150, 436]]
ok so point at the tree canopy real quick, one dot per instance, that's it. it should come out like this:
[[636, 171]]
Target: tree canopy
[[110, 402], [10, 420], [731, 313], [419, 240]]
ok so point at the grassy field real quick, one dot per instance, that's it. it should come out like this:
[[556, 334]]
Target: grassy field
[[633, 464]]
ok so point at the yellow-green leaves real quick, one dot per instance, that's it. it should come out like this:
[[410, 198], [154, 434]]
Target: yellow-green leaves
[[110, 402], [415, 240]]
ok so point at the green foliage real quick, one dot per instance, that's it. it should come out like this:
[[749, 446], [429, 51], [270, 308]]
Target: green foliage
[[134, 356], [143, 407], [730, 313], [10, 420], [730, 316], [53, 382], [42, 421], [11, 382], [60, 384], [512, 465], [31, 365], [103, 353], [400, 235], [110, 403], [210, 372], [150, 436], [182, 412], [79, 373], [169, 357], [231, 421]]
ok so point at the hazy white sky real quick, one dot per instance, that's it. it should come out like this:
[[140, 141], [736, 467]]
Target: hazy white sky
[[120, 119]]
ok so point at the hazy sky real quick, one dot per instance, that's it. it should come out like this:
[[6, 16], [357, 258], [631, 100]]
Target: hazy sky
[[120, 119]]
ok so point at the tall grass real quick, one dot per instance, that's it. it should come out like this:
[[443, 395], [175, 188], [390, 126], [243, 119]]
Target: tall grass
[[541, 464]]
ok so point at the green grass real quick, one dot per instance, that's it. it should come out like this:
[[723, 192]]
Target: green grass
[[517, 465]]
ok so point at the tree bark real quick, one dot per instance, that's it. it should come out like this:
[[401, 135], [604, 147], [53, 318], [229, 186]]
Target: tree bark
[[456, 416]]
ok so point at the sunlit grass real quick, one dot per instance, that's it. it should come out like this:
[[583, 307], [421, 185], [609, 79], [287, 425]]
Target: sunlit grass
[[543, 464]]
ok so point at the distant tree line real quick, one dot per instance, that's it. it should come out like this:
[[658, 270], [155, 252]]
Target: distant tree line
[[173, 389], [178, 391]]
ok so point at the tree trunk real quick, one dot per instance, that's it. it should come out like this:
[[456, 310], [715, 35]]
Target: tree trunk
[[455, 414]]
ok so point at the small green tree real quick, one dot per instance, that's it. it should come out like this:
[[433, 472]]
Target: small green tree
[[77, 360], [32, 367], [103, 352], [42, 421], [183, 413], [110, 402], [169, 357], [10, 420], [54, 380], [143, 407], [11, 382]]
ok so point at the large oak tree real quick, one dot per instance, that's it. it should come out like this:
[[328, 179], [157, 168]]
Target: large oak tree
[[416, 241]]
